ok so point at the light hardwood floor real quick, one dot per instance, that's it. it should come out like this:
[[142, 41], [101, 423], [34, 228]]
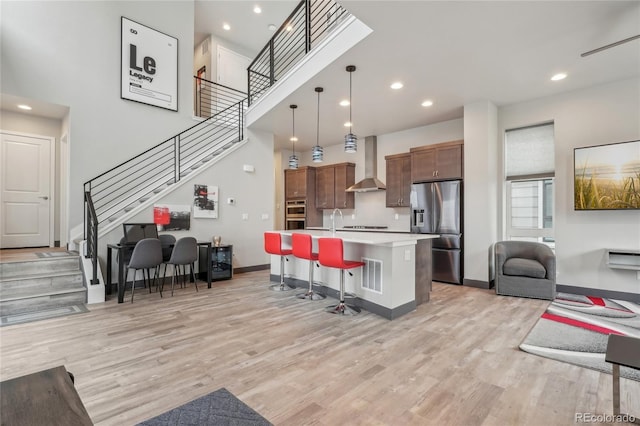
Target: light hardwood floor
[[455, 360]]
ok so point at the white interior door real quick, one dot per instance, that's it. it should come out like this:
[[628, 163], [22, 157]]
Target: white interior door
[[232, 69], [25, 196]]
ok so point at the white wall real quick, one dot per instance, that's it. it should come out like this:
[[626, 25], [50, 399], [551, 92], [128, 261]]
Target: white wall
[[68, 53], [480, 189], [597, 115], [370, 207], [253, 194], [210, 57]]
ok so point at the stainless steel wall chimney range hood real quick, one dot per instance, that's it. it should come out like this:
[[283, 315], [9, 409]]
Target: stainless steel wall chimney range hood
[[370, 181]]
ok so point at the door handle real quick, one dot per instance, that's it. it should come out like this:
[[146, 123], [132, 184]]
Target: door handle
[[44, 198]]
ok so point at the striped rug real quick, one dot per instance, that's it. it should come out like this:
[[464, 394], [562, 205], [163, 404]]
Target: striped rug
[[575, 329]]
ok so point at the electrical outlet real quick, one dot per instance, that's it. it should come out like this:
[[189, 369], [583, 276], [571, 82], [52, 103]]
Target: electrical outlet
[[245, 216], [397, 216], [265, 216], [407, 255]]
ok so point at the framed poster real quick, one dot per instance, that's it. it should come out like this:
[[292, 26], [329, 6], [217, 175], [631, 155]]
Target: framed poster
[[170, 217], [205, 201], [149, 66]]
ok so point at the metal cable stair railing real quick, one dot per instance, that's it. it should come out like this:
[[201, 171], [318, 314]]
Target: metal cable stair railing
[[125, 186], [307, 25], [91, 235]]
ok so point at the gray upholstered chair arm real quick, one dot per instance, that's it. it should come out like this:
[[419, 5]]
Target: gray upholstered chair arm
[[501, 257], [545, 256]]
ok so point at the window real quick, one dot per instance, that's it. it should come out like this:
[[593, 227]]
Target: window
[[529, 163]]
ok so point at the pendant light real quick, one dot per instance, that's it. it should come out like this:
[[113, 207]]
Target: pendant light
[[293, 158], [317, 153], [350, 140]]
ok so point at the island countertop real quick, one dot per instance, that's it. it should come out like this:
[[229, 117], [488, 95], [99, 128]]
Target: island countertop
[[372, 238]]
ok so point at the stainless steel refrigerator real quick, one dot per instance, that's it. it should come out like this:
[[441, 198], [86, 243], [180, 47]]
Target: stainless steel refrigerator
[[436, 208]]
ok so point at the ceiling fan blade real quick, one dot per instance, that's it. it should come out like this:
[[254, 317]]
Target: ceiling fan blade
[[609, 46]]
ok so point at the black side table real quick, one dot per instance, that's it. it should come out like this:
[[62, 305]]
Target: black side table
[[220, 262]]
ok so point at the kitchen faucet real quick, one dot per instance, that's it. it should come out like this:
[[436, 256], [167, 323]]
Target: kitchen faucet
[[333, 219]]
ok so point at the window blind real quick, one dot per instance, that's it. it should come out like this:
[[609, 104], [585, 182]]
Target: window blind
[[529, 152]]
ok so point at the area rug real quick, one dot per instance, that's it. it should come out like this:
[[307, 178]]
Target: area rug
[[217, 408], [575, 329], [43, 314]]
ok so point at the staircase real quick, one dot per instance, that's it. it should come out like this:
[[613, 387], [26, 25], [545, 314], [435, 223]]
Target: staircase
[[41, 288], [118, 192]]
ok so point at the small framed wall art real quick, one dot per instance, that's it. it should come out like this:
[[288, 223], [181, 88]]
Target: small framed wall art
[[205, 201], [149, 66]]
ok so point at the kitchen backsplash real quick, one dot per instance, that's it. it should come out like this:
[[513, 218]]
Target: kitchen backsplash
[[371, 210]]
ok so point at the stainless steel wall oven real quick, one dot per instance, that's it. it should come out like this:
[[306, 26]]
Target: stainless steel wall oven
[[295, 214]]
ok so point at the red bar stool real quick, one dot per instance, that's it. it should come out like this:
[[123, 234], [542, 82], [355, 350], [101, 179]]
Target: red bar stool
[[273, 245], [303, 249], [331, 254]]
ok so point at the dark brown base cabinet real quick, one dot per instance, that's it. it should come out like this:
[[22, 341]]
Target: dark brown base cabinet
[[221, 263]]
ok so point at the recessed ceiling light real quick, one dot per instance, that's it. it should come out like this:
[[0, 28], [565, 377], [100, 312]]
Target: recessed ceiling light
[[289, 27], [226, 26], [559, 76], [257, 9], [347, 124], [344, 102], [397, 85], [271, 27], [427, 103], [25, 107]]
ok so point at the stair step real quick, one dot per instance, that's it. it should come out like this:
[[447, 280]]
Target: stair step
[[42, 314], [160, 189], [41, 301], [42, 266], [26, 286], [42, 293]]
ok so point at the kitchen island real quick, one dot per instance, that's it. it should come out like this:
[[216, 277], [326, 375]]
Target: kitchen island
[[397, 274]]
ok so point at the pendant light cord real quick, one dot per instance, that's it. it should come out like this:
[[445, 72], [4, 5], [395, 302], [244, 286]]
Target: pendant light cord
[[293, 130], [318, 123], [350, 120]]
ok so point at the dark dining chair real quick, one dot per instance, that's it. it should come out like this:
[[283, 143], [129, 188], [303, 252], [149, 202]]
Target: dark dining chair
[[147, 254], [167, 242], [185, 253]]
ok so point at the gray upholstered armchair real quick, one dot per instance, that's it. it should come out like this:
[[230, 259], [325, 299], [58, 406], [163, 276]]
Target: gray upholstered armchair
[[525, 269]]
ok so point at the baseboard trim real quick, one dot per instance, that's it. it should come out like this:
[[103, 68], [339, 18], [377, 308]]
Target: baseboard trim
[[374, 308], [477, 283], [609, 294], [251, 268]]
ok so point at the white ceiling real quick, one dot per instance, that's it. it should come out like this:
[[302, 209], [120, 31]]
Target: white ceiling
[[41, 109], [452, 52]]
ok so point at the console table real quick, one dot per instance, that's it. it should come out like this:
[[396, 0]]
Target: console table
[[47, 397]]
